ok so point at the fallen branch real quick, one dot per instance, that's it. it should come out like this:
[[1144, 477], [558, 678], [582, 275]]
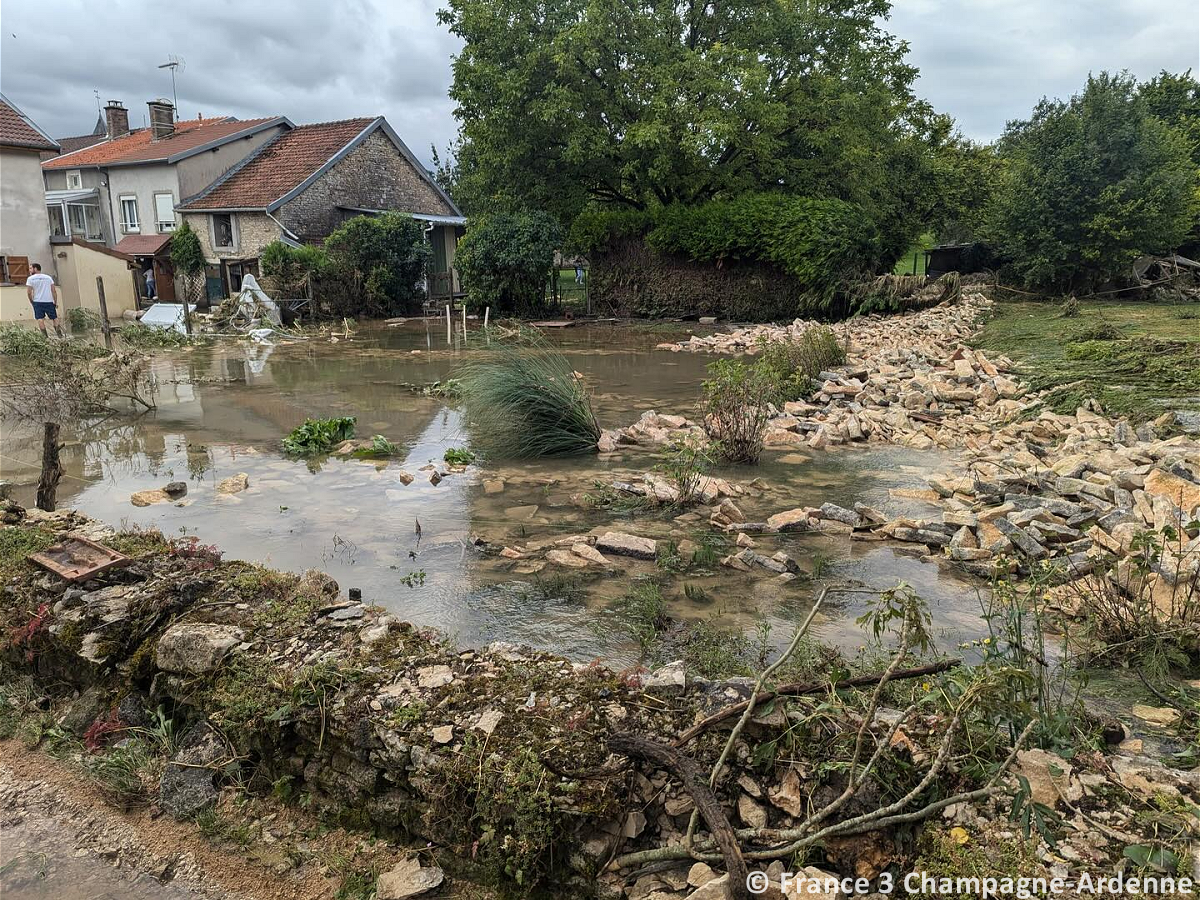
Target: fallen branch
[[802, 688], [692, 781], [749, 706]]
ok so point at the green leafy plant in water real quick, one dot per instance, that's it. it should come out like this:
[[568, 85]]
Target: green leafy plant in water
[[525, 401], [685, 466], [735, 406], [316, 436], [459, 456], [642, 615], [380, 448], [83, 319], [793, 365], [414, 579]]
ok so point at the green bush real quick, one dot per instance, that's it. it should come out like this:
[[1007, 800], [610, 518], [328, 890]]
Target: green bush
[[382, 260], [505, 260], [794, 365], [735, 407], [289, 268], [1089, 185], [822, 243]]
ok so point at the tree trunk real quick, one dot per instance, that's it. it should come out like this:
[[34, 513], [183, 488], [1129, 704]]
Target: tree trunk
[[51, 468]]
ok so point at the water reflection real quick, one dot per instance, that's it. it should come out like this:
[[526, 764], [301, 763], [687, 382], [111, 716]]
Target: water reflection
[[223, 410]]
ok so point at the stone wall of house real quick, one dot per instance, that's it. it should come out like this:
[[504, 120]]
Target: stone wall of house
[[253, 231], [374, 175]]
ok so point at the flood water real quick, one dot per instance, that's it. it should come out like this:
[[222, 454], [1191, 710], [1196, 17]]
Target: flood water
[[224, 409]]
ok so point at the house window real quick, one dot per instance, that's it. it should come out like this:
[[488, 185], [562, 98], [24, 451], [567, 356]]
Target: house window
[[222, 228], [74, 180], [14, 269], [129, 214], [164, 212], [58, 225]]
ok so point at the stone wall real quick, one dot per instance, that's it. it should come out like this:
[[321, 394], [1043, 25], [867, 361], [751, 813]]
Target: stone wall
[[374, 175], [252, 232]]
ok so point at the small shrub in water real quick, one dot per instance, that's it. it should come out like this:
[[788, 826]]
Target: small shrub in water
[[686, 463], [525, 401], [316, 436], [736, 406]]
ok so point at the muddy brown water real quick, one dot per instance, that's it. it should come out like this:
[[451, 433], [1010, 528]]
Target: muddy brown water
[[224, 409]]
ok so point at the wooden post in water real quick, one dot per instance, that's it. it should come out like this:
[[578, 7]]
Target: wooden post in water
[[449, 340], [105, 326], [487, 311], [464, 321], [47, 488]]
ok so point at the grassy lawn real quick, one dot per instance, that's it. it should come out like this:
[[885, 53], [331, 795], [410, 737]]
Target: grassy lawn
[[904, 265], [1137, 359]]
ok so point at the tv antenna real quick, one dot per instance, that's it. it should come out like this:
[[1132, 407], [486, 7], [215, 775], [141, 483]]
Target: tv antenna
[[173, 62]]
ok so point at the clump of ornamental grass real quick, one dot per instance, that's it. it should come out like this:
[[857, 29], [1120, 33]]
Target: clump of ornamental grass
[[523, 400]]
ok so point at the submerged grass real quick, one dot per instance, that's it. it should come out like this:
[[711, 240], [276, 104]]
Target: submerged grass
[[1137, 359], [525, 401]]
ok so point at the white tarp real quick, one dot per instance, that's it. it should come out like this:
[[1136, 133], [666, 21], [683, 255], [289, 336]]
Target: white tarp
[[166, 315], [254, 302]]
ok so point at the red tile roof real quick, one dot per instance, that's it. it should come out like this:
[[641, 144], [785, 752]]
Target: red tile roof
[[279, 166], [18, 131], [71, 144], [142, 244], [137, 146]]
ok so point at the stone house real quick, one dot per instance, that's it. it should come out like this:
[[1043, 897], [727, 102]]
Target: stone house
[[304, 183], [122, 191]]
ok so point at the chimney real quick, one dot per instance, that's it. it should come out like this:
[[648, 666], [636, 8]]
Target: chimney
[[162, 119], [116, 119]]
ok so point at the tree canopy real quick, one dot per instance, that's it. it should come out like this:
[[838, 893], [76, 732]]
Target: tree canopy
[[1089, 185], [656, 102]]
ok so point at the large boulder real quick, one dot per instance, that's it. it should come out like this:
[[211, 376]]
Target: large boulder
[[191, 649]]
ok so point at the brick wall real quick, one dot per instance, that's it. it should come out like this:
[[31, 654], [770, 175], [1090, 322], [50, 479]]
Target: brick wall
[[254, 231], [374, 175]]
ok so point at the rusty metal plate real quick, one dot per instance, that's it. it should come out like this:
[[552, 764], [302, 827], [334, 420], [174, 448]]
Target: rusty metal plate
[[78, 559]]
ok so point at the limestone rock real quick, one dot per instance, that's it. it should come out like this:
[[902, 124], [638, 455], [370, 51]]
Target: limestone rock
[[148, 498], [621, 544], [186, 786], [670, 679], [408, 878], [195, 649], [234, 484]]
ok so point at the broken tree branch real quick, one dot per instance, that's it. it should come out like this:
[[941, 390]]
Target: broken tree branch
[[749, 711], [688, 774], [802, 688]]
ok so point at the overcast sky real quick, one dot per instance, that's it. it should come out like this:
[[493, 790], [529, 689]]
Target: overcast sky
[[982, 61]]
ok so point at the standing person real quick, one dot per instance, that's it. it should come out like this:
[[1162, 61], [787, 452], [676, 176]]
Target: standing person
[[151, 292], [578, 273], [43, 295]]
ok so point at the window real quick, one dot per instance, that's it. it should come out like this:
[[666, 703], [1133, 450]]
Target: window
[[14, 269], [58, 226], [129, 214], [164, 212], [74, 180], [222, 229]]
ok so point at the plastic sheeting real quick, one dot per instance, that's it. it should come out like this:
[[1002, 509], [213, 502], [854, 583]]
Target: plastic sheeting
[[166, 316]]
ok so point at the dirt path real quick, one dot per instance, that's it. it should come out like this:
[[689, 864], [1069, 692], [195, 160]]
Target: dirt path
[[58, 839]]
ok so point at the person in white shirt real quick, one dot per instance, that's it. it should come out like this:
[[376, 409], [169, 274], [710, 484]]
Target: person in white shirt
[[43, 295]]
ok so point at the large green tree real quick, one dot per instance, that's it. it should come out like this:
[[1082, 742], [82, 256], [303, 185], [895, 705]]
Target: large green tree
[[642, 103], [1089, 185]]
